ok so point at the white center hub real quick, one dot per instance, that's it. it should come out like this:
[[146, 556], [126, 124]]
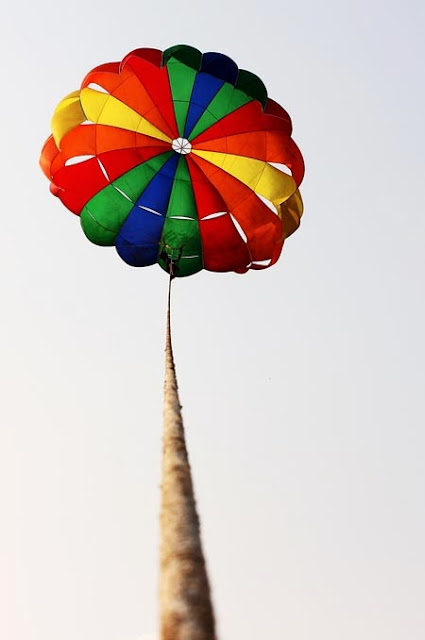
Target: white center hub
[[181, 145]]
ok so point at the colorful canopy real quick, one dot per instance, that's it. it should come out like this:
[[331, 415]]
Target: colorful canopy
[[180, 158]]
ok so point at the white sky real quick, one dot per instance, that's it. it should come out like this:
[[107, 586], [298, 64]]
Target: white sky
[[302, 385]]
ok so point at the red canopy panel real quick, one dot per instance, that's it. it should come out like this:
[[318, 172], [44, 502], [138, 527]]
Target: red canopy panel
[[154, 56], [250, 117], [275, 109], [222, 246], [77, 183], [156, 83], [262, 227]]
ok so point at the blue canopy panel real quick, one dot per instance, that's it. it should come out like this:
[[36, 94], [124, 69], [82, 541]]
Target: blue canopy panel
[[220, 66], [204, 90], [140, 235]]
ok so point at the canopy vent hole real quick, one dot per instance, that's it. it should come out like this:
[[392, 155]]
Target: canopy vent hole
[[103, 170], [77, 160], [122, 193], [97, 87], [281, 167], [239, 229]]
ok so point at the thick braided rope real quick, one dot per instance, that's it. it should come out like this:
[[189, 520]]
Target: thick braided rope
[[185, 603]]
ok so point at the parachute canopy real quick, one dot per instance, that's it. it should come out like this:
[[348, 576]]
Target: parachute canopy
[[180, 158]]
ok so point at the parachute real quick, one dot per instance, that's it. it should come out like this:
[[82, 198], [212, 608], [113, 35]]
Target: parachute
[[177, 158]]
